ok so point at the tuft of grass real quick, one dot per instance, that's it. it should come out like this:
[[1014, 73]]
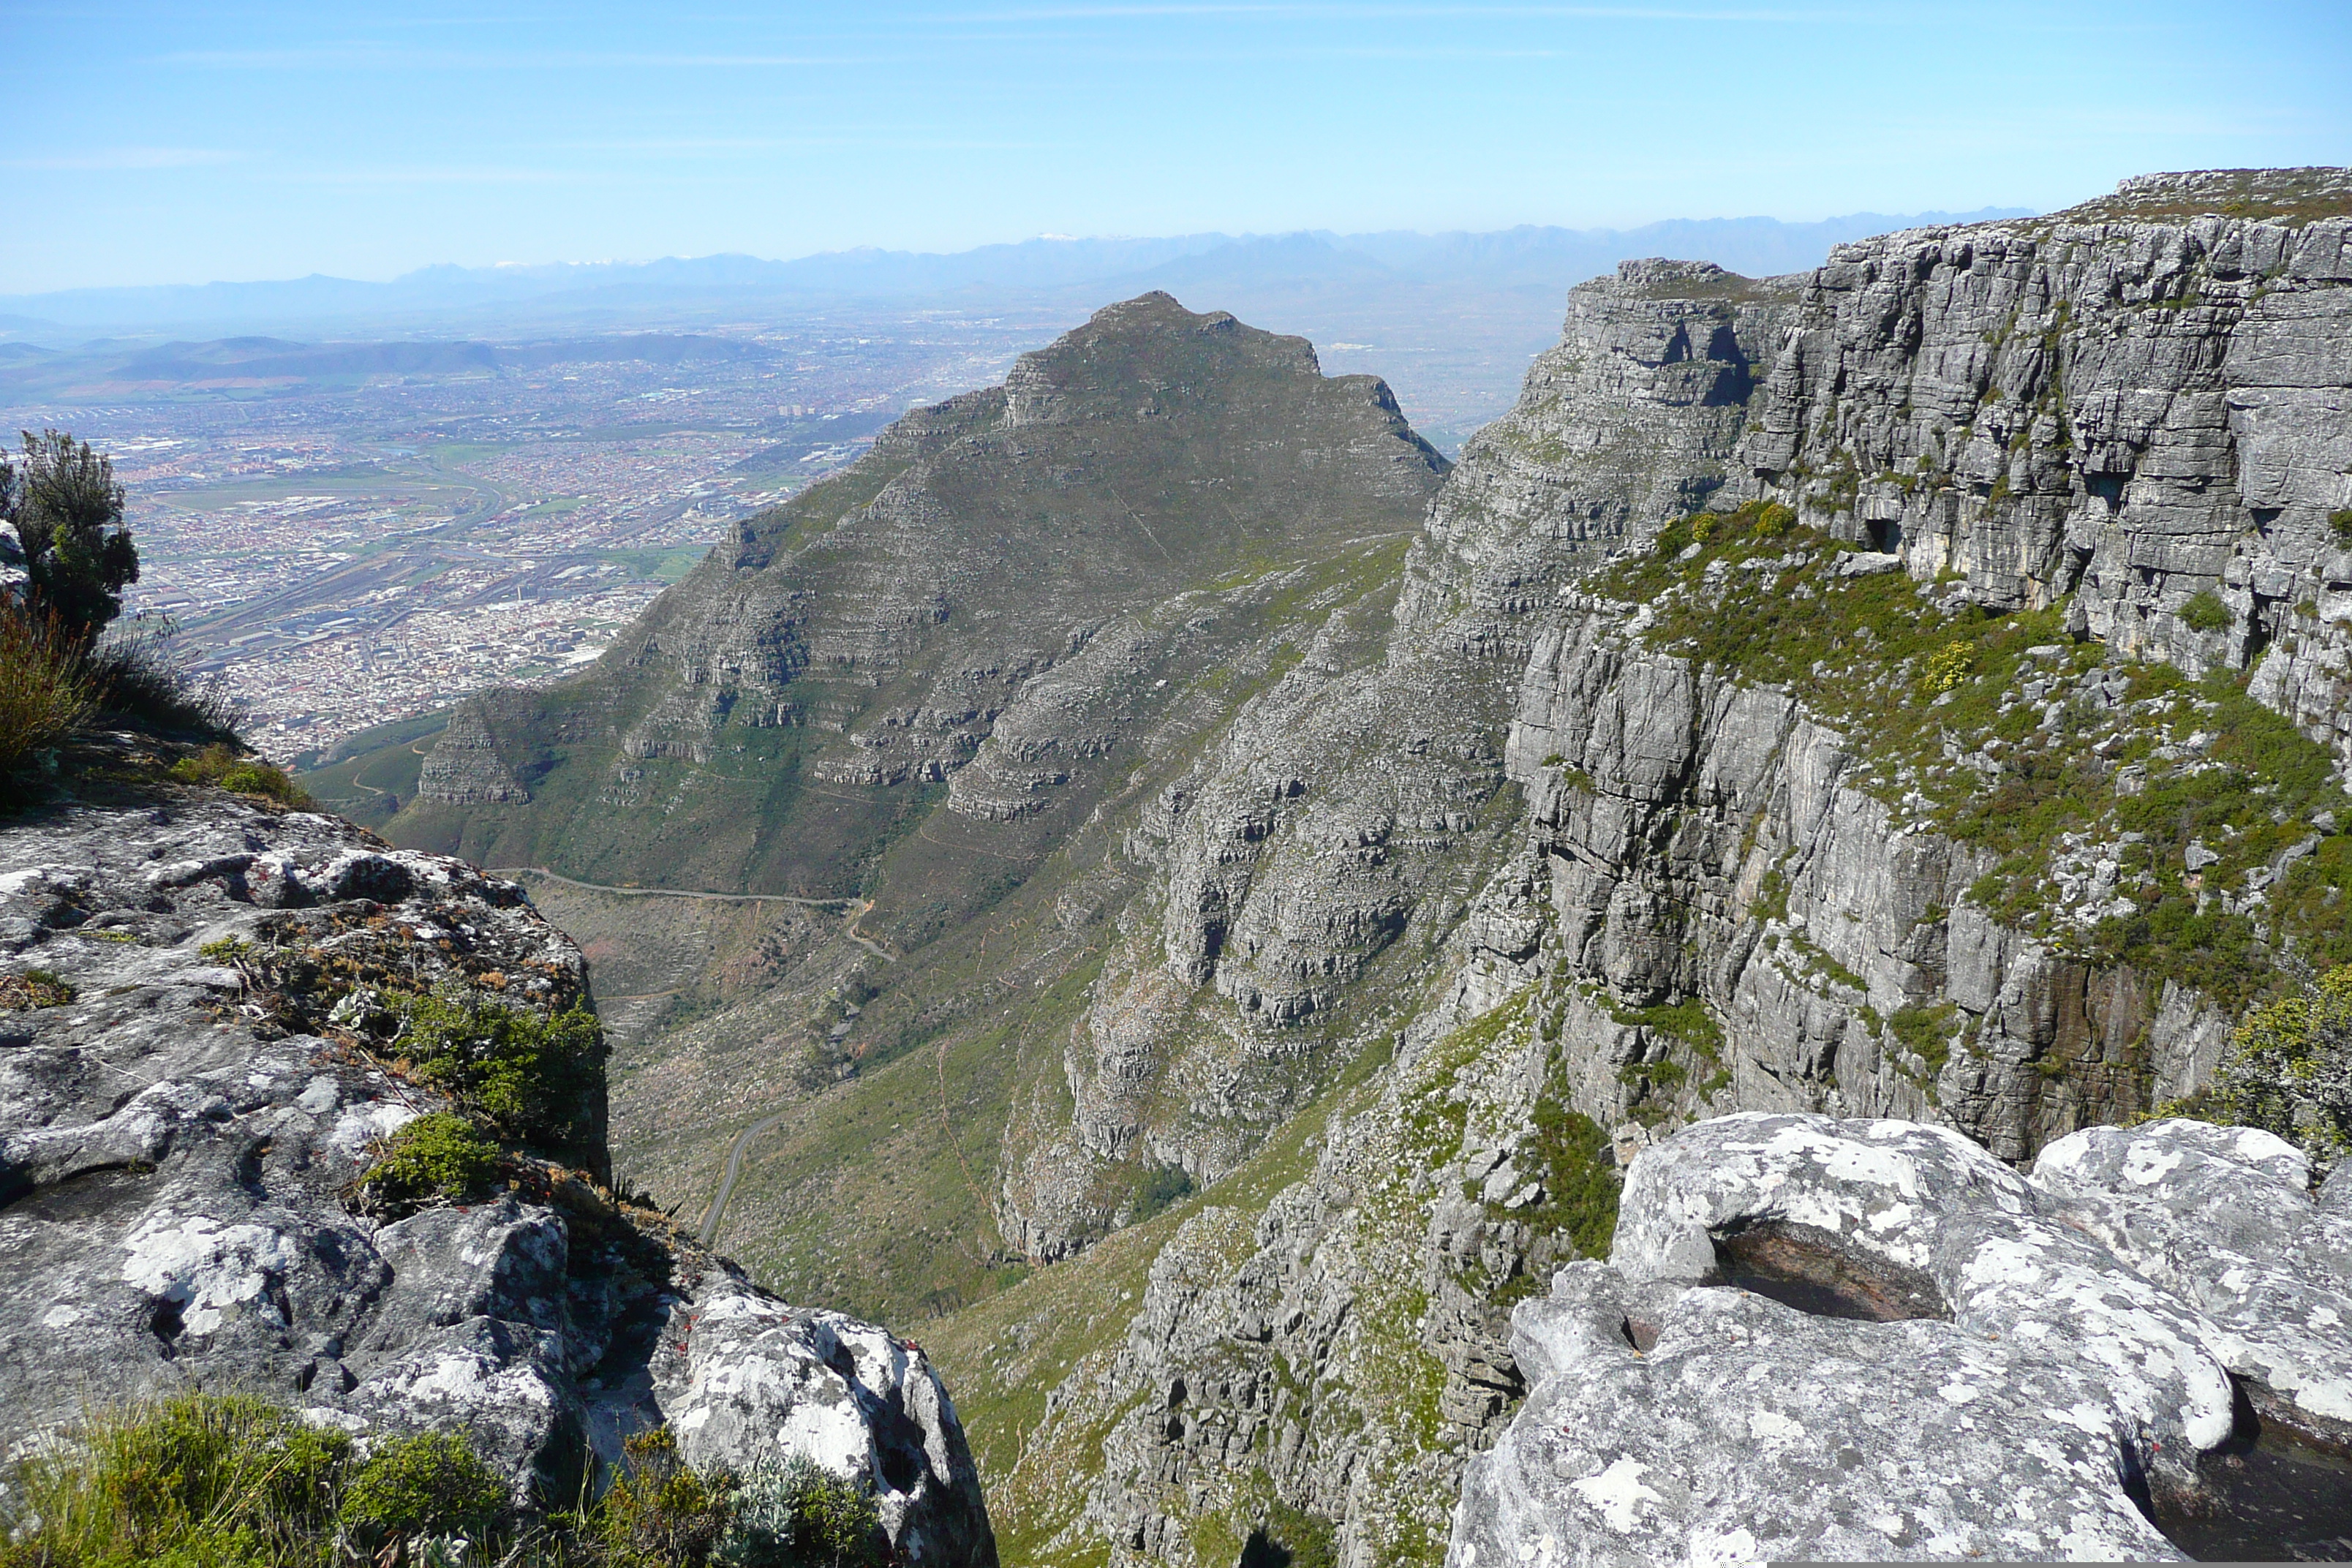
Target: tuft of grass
[[139, 675], [2205, 612], [206, 1480], [226, 767], [196, 1481], [45, 691]]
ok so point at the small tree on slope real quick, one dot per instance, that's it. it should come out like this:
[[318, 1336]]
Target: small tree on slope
[[67, 510]]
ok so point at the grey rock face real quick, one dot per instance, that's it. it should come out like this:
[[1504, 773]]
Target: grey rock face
[[1995, 1382], [1634, 418], [13, 577], [1664, 800], [2133, 401], [176, 1167]]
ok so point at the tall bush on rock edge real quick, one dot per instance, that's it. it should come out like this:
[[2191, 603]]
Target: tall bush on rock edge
[[2289, 1070], [68, 508]]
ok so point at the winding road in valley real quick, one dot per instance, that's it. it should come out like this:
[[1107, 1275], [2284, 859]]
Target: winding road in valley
[[735, 1150]]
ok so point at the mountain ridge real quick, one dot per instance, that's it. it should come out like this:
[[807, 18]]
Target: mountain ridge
[[1756, 244]]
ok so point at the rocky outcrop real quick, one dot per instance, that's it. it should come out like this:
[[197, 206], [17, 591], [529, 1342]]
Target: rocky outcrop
[[463, 768], [12, 576], [1818, 1339], [181, 1162], [2133, 402], [1633, 418], [1698, 837], [871, 634], [1305, 853]]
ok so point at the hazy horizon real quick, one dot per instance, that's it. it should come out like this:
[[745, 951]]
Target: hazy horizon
[[266, 139], [1204, 241]]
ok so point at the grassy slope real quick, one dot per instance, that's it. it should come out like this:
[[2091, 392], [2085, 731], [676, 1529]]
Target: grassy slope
[[1935, 696]]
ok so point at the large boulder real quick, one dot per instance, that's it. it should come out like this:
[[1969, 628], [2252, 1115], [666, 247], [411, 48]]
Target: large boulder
[[1871, 1341], [184, 1128]]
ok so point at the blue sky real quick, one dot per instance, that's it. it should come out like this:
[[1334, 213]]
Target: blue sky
[[185, 142]]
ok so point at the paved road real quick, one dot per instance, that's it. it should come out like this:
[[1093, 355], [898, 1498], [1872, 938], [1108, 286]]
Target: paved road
[[852, 933], [708, 1234]]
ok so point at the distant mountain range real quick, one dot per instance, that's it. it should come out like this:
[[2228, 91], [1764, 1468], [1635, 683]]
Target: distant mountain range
[[1528, 257]]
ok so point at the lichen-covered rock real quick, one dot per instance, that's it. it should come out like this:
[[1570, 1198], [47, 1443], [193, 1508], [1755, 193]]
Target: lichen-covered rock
[[12, 576], [754, 1374], [180, 1178], [1823, 1340]]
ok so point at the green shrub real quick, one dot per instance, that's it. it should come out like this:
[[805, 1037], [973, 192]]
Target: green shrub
[[2289, 1070], [1162, 1188], [2205, 612], [427, 1483], [2340, 520], [1773, 521], [437, 1156], [1947, 668], [79, 556], [44, 692], [224, 767], [1580, 1175], [1926, 1033], [662, 1513], [798, 1514], [533, 1078], [197, 1481]]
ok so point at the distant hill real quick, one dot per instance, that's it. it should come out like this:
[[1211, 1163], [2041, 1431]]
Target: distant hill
[[1527, 257]]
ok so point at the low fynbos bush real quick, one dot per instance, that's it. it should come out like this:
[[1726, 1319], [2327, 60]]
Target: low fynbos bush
[[224, 766], [798, 1515], [2289, 1070], [35, 988], [2205, 612], [533, 1078], [662, 1510], [441, 1157], [429, 1483]]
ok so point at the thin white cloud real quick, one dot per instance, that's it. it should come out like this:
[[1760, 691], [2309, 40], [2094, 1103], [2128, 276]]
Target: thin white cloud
[[372, 57], [1279, 9], [123, 158]]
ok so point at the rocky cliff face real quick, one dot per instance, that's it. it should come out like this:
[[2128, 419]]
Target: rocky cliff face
[[1707, 879], [2131, 402], [191, 1104]]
